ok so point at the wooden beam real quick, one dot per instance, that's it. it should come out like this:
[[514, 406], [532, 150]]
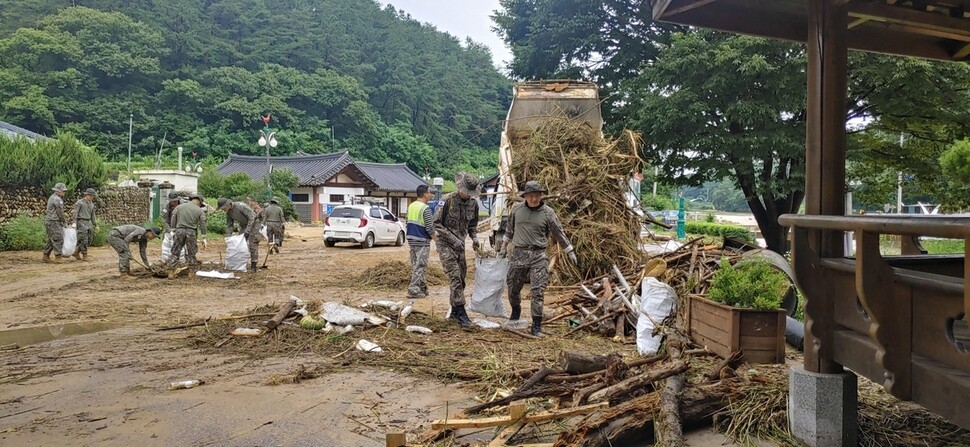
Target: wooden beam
[[907, 16], [925, 31], [692, 5], [825, 159], [516, 415], [962, 53], [659, 8], [857, 22]]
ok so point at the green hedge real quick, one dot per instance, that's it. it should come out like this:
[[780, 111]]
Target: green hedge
[[28, 233], [753, 284], [719, 230], [45, 163]]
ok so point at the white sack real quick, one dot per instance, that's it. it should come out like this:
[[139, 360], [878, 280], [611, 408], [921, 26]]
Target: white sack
[[490, 276], [70, 241], [341, 315], [262, 232], [658, 302], [216, 274], [167, 244], [237, 253]]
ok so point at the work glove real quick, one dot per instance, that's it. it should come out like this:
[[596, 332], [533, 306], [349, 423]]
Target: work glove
[[476, 245], [205, 244], [97, 229], [571, 254], [246, 236]]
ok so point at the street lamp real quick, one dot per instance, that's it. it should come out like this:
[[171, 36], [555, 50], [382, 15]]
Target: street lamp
[[267, 139]]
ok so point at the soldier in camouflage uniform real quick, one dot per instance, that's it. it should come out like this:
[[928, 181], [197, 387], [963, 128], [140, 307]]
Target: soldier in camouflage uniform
[[173, 201], [54, 224], [188, 219], [84, 217], [119, 237], [248, 224], [526, 237], [275, 224], [456, 218]]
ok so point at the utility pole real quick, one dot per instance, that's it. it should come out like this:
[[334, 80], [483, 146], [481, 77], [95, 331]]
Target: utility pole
[[131, 122], [267, 139], [899, 184]]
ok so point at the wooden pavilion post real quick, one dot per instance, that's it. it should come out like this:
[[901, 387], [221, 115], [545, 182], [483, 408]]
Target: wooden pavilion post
[[825, 162]]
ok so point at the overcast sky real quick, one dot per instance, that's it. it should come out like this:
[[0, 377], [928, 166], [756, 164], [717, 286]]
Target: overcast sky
[[461, 18]]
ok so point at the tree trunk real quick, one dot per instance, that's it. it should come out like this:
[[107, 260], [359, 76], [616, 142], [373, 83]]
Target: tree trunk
[[582, 363]]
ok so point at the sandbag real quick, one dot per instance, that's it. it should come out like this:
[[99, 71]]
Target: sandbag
[[658, 302], [237, 253], [490, 275], [70, 241], [167, 242]]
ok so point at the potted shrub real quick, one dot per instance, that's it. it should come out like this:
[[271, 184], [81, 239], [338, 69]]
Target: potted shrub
[[742, 312]]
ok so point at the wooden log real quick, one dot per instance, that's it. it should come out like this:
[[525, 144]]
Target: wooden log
[[731, 362], [639, 381], [630, 423], [285, 310], [582, 363], [521, 393]]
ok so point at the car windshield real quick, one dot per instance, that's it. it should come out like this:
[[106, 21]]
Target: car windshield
[[347, 212]]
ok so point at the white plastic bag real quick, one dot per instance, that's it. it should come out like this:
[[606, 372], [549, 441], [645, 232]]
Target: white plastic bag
[[70, 241], [658, 302], [167, 244], [490, 276], [262, 232], [237, 253], [368, 346], [341, 315]]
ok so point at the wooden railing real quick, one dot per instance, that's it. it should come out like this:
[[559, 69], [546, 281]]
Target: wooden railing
[[897, 320]]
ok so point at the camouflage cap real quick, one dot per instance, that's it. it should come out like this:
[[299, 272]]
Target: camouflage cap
[[90, 192], [532, 186], [467, 184], [173, 196], [60, 187], [223, 202]]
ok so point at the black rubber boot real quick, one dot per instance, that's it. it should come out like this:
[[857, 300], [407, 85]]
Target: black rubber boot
[[516, 313], [253, 267], [458, 314], [537, 326]]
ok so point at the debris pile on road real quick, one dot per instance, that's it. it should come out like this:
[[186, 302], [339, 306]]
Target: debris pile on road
[[587, 177], [397, 275]]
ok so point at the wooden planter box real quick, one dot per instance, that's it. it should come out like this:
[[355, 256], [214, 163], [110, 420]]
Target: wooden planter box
[[723, 329]]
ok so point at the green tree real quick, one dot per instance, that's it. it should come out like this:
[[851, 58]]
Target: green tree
[[955, 163]]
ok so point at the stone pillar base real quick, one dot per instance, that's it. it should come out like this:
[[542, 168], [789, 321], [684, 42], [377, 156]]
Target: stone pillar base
[[823, 408]]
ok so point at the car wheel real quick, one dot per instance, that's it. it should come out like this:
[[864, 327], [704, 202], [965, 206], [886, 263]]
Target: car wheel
[[400, 239], [329, 242], [368, 241]]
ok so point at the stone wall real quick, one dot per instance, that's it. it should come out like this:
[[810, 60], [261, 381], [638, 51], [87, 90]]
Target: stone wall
[[115, 204]]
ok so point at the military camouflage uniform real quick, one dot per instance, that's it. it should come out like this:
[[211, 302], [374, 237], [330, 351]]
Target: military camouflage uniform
[[119, 237], [527, 234], [84, 218], [248, 225], [54, 224], [274, 225], [453, 220], [188, 219], [167, 216]]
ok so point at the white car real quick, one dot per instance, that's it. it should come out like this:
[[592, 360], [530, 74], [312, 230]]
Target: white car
[[366, 225]]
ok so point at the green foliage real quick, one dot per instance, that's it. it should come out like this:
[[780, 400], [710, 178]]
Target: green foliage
[[45, 163], [215, 222], [719, 230], [709, 218], [23, 233], [658, 202], [955, 163], [100, 238], [752, 284], [943, 246], [349, 75]]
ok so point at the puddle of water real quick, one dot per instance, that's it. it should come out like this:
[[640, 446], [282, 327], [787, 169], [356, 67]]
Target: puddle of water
[[39, 334]]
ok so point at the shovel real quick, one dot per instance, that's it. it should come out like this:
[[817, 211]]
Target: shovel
[[269, 250]]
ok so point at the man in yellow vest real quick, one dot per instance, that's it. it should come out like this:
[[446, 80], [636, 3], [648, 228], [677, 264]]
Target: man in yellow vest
[[420, 233]]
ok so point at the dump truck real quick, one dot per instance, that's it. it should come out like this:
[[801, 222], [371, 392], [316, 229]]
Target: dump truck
[[533, 103]]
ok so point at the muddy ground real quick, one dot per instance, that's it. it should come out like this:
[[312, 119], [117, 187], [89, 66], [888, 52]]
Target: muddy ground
[[59, 385]]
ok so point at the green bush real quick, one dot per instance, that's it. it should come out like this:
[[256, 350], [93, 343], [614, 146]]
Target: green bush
[[100, 238], [45, 163], [719, 230], [752, 284], [23, 233], [215, 222]]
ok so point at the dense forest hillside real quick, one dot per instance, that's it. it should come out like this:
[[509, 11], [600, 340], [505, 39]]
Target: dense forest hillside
[[344, 74]]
